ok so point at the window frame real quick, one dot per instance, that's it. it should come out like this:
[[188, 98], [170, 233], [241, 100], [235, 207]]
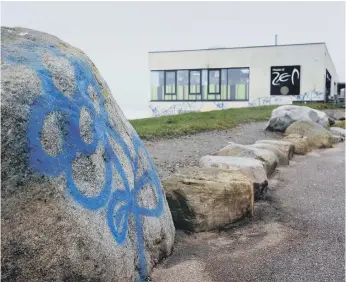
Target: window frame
[[174, 95], [248, 85], [214, 93], [175, 83], [200, 82]]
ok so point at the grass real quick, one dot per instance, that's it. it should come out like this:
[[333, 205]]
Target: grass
[[191, 123], [322, 106], [340, 123]]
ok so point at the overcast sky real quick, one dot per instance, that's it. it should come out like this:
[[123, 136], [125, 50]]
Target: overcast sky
[[117, 36]]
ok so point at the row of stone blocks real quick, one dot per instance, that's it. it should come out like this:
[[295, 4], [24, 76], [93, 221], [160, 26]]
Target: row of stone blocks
[[224, 187]]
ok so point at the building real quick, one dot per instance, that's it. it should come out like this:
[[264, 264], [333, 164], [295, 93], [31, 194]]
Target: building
[[207, 79]]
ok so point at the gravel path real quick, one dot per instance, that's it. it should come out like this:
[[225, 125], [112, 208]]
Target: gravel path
[[173, 154], [297, 233]]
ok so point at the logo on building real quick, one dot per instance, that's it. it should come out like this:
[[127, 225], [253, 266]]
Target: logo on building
[[285, 80]]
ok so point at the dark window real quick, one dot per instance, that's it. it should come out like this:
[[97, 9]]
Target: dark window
[[170, 82], [214, 80], [328, 84], [195, 81]]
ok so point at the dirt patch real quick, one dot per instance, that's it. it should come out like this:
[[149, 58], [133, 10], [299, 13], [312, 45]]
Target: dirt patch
[[173, 154], [205, 256], [186, 271]]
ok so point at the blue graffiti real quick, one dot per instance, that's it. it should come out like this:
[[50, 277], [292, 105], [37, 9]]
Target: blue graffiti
[[313, 95], [179, 108], [154, 111], [220, 105], [119, 203], [261, 101]]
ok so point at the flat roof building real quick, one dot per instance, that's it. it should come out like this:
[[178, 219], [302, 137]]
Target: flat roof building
[[207, 79]]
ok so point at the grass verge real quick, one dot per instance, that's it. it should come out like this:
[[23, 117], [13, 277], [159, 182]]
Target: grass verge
[[191, 123], [340, 123]]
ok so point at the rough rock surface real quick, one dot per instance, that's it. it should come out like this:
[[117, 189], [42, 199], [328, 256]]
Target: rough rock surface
[[281, 157], [318, 137], [338, 139], [203, 199], [237, 150], [339, 115], [251, 168], [286, 147], [81, 199], [338, 131], [283, 116], [300, 142], [336, 114]]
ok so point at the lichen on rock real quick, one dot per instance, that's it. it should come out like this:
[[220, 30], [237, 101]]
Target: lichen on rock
[[74, 205]]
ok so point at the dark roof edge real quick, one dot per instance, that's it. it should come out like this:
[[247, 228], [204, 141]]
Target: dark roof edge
[[227, 48]]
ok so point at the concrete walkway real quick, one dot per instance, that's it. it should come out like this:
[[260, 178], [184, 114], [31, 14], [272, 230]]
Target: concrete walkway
[[297, 233]]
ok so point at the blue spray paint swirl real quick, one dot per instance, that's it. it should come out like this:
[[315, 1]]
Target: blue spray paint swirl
[[52, 100]]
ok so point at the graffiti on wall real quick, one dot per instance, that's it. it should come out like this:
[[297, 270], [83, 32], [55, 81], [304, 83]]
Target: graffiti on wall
[[312, 95], [187, 107], [271, 100], [118, 203], [309, 96], [178, 108], [220, 105]]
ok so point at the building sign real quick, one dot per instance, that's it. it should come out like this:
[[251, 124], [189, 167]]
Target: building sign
[[285, 80]]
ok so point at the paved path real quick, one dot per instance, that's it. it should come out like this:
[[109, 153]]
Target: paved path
[[297, 233]]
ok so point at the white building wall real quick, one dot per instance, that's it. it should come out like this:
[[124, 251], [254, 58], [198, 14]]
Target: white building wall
[[311, 58]]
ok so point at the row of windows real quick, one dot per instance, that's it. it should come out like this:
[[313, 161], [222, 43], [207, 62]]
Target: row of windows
[[203, 84], [195, 82]]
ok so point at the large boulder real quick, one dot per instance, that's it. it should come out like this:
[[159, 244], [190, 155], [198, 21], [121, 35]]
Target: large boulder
[[286, 147], [283, 116], [81, 199], [338, 131], [281, 157], [251, 168], [336, 114], [318, 137], [268, 158], [300, 142], [203, 199], [339, 115]]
